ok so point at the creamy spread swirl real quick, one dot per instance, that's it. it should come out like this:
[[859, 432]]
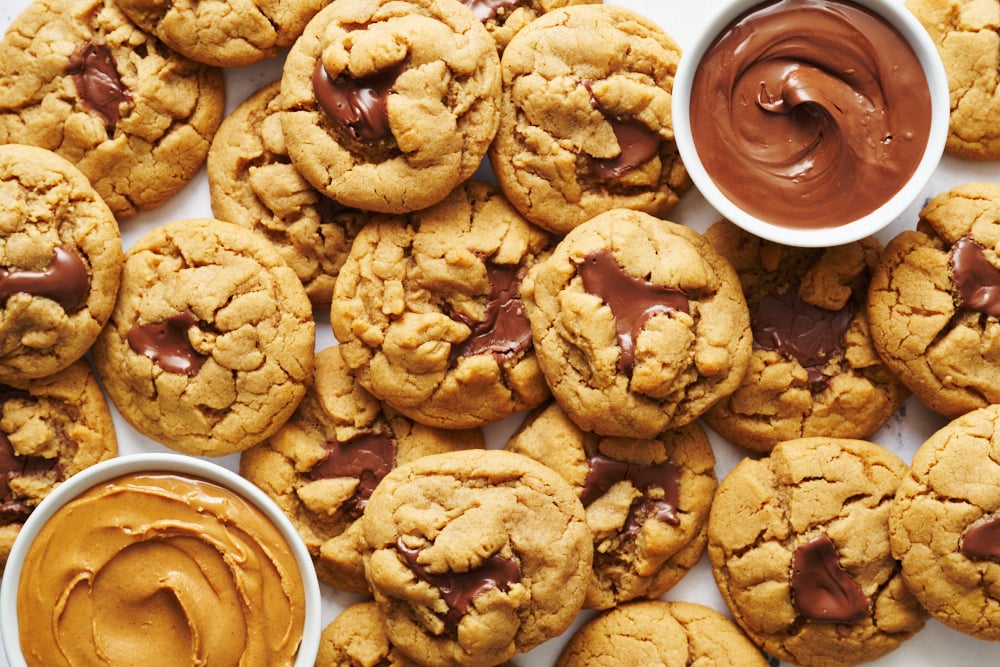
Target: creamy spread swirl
[[810, 113], [160, 569]]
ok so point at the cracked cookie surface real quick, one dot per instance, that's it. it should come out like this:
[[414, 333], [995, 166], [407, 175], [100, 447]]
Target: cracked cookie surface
[[428, 315], [639, 324], [210, 346], [929, 303], [82, 80], [505, 18], [584, 130], [60, 261], [253, 182], [814, 369], [967, 36], [475, 556], [389, 105], [798, 543], [323, 464], [942, 519], [647, 500]]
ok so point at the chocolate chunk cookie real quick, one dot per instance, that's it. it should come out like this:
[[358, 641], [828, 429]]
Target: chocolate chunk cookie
[[224, 33], [654, 633], [60, 260], [323, 464], [474, 556], [814, 369], [210, 347], [798, 542], [647, 501], [585, 130], [944, 524], [389, 105], [932, 304], [639, 324], [428, 313], [50, 429], [79, 78], [252, 182]]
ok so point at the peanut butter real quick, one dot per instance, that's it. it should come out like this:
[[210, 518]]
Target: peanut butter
[[160, 569]]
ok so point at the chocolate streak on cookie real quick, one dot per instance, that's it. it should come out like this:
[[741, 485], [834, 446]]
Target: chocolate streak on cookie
[[603, 473], [64, 280], [458, 589], [637, 144], [357, 104], [632, 301], [976, 280], [97, 82], [487, 9], [822, 590], [505, 331], [167, 344], [13, 466], [801, 331], [367, 457], [981, 540]]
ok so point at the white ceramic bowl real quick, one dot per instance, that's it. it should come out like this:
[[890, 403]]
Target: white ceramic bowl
[[168, 463], [907, 25]]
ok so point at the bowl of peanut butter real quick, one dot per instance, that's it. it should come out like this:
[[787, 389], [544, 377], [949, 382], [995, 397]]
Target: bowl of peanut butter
[[811, 122], [159, 559]]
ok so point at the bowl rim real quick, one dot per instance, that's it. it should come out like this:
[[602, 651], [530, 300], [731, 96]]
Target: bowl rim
[[157, 462], [896, 14]]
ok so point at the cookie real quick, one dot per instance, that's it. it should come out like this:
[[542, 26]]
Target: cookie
[[967, 39], [252, 182], [428, 314], [656, 633], [50, 429], [82, 80], [639, 324], [222, 33], [389, 105], [474, 556], [647, 500], [798, 543], [60, 259], [585, 130], [323, 464], [814, 369], [210, 347], [931, 303], [943, 524], [505, 18]]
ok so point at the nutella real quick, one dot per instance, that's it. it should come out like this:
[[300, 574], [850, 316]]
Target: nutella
[[359, 105], [367, 457], [976, 280], [981, 540], [98, 83], [167, 343], [822, 589], [810, 113], [64, 280], [505, 332]]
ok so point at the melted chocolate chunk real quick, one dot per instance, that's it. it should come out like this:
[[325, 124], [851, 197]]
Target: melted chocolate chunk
[[459, 589], [487, 9], [98, 83], [358, 105], [977, 281], [603, 473], [506, 331], [981, 540], [637, 144], [167, 344], [13, 466], [822, 590], [801, 331], [367, 457], [65, 281], [632, 301]]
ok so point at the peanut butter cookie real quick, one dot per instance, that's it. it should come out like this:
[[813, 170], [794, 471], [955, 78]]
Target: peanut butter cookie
[[60, 262], [647, 500], [639, 324], [210, 347], [323, 464], [79, 78], [505, 18], [585, 129], [932, 304], [475, 556], [798, 542], [428, 313], [814, 369], [389, 105]]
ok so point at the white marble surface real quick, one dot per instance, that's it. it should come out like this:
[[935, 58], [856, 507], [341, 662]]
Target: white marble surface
[[934, 646]]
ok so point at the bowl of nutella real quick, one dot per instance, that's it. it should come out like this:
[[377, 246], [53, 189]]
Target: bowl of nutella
[[811, 122], [159, 559]]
